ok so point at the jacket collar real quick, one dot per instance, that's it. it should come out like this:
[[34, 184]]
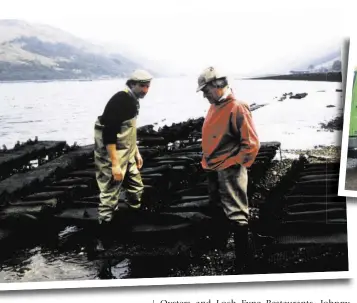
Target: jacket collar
[[227, 96], [130, 92]]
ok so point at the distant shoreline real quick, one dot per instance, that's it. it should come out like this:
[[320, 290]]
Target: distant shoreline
[[49, 80], [329, 77]]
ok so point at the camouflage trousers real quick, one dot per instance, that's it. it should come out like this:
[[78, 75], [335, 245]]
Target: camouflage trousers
[[110, 189], [228, 191]]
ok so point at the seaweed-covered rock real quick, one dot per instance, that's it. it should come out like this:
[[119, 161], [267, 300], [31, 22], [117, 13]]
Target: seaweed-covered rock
[[298, 96], [332, 125]]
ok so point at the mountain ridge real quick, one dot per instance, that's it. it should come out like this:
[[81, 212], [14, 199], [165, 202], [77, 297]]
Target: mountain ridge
[[40, 52]]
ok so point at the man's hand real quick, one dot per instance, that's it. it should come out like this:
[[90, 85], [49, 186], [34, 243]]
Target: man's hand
[[139, 160], [117, 173]]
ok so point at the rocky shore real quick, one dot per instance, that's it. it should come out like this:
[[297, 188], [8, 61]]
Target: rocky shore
[[334, 124]]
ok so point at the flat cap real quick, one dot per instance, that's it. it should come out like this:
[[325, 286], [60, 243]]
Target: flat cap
[[140, 75]]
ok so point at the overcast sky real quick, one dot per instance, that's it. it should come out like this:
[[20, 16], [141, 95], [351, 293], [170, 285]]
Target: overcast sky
[[190, 35]]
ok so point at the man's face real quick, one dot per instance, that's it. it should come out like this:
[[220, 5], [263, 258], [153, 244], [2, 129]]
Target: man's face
[[211, 93], [140, 89]]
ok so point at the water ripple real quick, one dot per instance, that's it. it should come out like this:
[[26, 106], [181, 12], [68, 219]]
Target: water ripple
[[24, 122]]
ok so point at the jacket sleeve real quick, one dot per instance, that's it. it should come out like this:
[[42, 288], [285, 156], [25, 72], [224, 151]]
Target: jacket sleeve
[[245, 129]]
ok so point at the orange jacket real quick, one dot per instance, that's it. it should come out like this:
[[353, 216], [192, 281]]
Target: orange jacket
[[229, 136]]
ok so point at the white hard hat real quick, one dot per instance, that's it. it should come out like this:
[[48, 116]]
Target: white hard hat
[[208, 75]]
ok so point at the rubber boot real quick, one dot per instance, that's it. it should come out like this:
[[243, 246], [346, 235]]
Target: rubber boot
[[105, 270], [220, 228], [240, 234], [102, 230], [136, 213]]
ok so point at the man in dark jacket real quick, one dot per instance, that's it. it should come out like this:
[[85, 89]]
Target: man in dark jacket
[[116, 154]]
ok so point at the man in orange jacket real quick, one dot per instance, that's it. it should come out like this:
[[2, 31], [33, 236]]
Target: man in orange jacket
[[230, 145]]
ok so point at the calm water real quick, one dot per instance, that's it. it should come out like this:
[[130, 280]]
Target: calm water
[[67, 111]]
